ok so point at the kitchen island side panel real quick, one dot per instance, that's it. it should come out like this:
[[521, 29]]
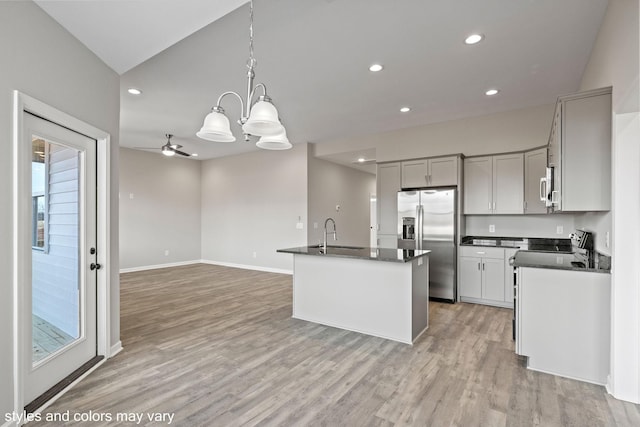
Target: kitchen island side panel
[[370, 297], [565, 322]]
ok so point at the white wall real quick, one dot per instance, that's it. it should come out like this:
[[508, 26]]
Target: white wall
[[251, 203], [159, 209], [331, 184], [44, 61], [615, 62], [494, 133]]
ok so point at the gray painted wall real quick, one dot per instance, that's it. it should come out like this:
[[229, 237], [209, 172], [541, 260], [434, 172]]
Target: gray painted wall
[[331, 184], [251, 204], [44, 61], [159, 209], [615, 61]]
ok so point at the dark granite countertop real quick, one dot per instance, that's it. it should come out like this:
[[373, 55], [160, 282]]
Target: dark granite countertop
[[356, 252], [560, 261]]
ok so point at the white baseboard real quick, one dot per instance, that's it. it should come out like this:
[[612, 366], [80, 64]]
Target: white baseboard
[[154, 267], [248, 267], [115, 349]]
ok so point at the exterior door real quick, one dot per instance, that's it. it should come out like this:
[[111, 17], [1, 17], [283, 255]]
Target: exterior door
[[59, 307]]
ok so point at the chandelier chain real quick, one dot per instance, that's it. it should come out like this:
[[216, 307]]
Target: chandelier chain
[[251, 63]]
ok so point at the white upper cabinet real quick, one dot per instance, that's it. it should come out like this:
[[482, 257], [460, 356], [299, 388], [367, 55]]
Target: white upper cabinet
[[478, 185], [434, 172], [583, 169], [508, 184], [535, 165], [494, 184]]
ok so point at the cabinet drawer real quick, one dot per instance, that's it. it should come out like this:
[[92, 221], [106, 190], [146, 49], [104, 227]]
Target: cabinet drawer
[[481, 252]]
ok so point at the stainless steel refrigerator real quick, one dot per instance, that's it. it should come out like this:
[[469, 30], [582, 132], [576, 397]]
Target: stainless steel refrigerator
[[427, 220]]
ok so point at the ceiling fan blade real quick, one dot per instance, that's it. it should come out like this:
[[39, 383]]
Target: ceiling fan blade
[[145, 148], [182, 153]]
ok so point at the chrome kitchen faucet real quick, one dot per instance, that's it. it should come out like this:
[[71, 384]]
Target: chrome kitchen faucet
[[334, 232]]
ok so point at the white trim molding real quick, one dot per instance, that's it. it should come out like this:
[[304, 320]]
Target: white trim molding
[[206, 261], [248, 267], [157, 266], [115, 349], [22, 103]]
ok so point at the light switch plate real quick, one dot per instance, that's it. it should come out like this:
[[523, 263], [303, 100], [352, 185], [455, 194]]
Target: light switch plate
[[299, 225], [559, 229], [492, 228]]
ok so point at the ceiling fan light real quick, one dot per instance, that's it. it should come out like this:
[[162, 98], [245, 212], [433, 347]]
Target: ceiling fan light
[[167, 151], [216, 127], [275, 142], [263, 119]]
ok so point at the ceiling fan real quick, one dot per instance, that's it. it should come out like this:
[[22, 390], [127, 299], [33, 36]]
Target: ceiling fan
[[169, 149]]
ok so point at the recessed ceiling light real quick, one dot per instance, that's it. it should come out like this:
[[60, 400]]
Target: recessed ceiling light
[[134, 91], [194, 155], [405, 109], [474, 38], [491, 92], [376, 67]]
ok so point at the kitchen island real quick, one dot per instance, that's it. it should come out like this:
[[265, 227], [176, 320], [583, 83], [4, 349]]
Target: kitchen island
[[376, 291]]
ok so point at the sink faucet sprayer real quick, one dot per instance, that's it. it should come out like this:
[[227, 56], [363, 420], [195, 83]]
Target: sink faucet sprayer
[[335, 234]]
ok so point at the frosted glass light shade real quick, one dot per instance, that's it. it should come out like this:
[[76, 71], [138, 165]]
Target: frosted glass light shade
[[275, 142], [167, 151], [263, 120], [216, 128]]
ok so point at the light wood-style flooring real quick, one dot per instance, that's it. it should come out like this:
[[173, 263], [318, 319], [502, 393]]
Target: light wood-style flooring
[[217, 346]]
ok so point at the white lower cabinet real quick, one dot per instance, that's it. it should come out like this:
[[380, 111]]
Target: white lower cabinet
[[482, 278]]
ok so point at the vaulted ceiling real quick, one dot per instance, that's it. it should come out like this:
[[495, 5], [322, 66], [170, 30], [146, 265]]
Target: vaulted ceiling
[[314, 58]]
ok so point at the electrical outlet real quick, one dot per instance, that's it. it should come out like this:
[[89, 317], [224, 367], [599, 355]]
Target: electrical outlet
[[131, 195], [492, 228], [166, 253], [607, 238], [559, 229], [255, 255], [315, 225], [299, 226]]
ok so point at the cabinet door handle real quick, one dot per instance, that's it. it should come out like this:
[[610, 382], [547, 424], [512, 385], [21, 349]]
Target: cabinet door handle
[[489, 206], [478, 266], [483, 266], [480, 253], [426, 178], [494, 206]]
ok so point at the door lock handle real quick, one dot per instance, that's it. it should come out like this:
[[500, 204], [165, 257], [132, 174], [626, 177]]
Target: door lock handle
[[95, 266]]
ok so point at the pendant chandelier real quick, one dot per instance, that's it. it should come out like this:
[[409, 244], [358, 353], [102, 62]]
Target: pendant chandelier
[[257, 119]]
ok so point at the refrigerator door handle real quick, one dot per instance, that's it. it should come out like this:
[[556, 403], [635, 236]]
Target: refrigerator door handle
[[419, 232], [418, 227]]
